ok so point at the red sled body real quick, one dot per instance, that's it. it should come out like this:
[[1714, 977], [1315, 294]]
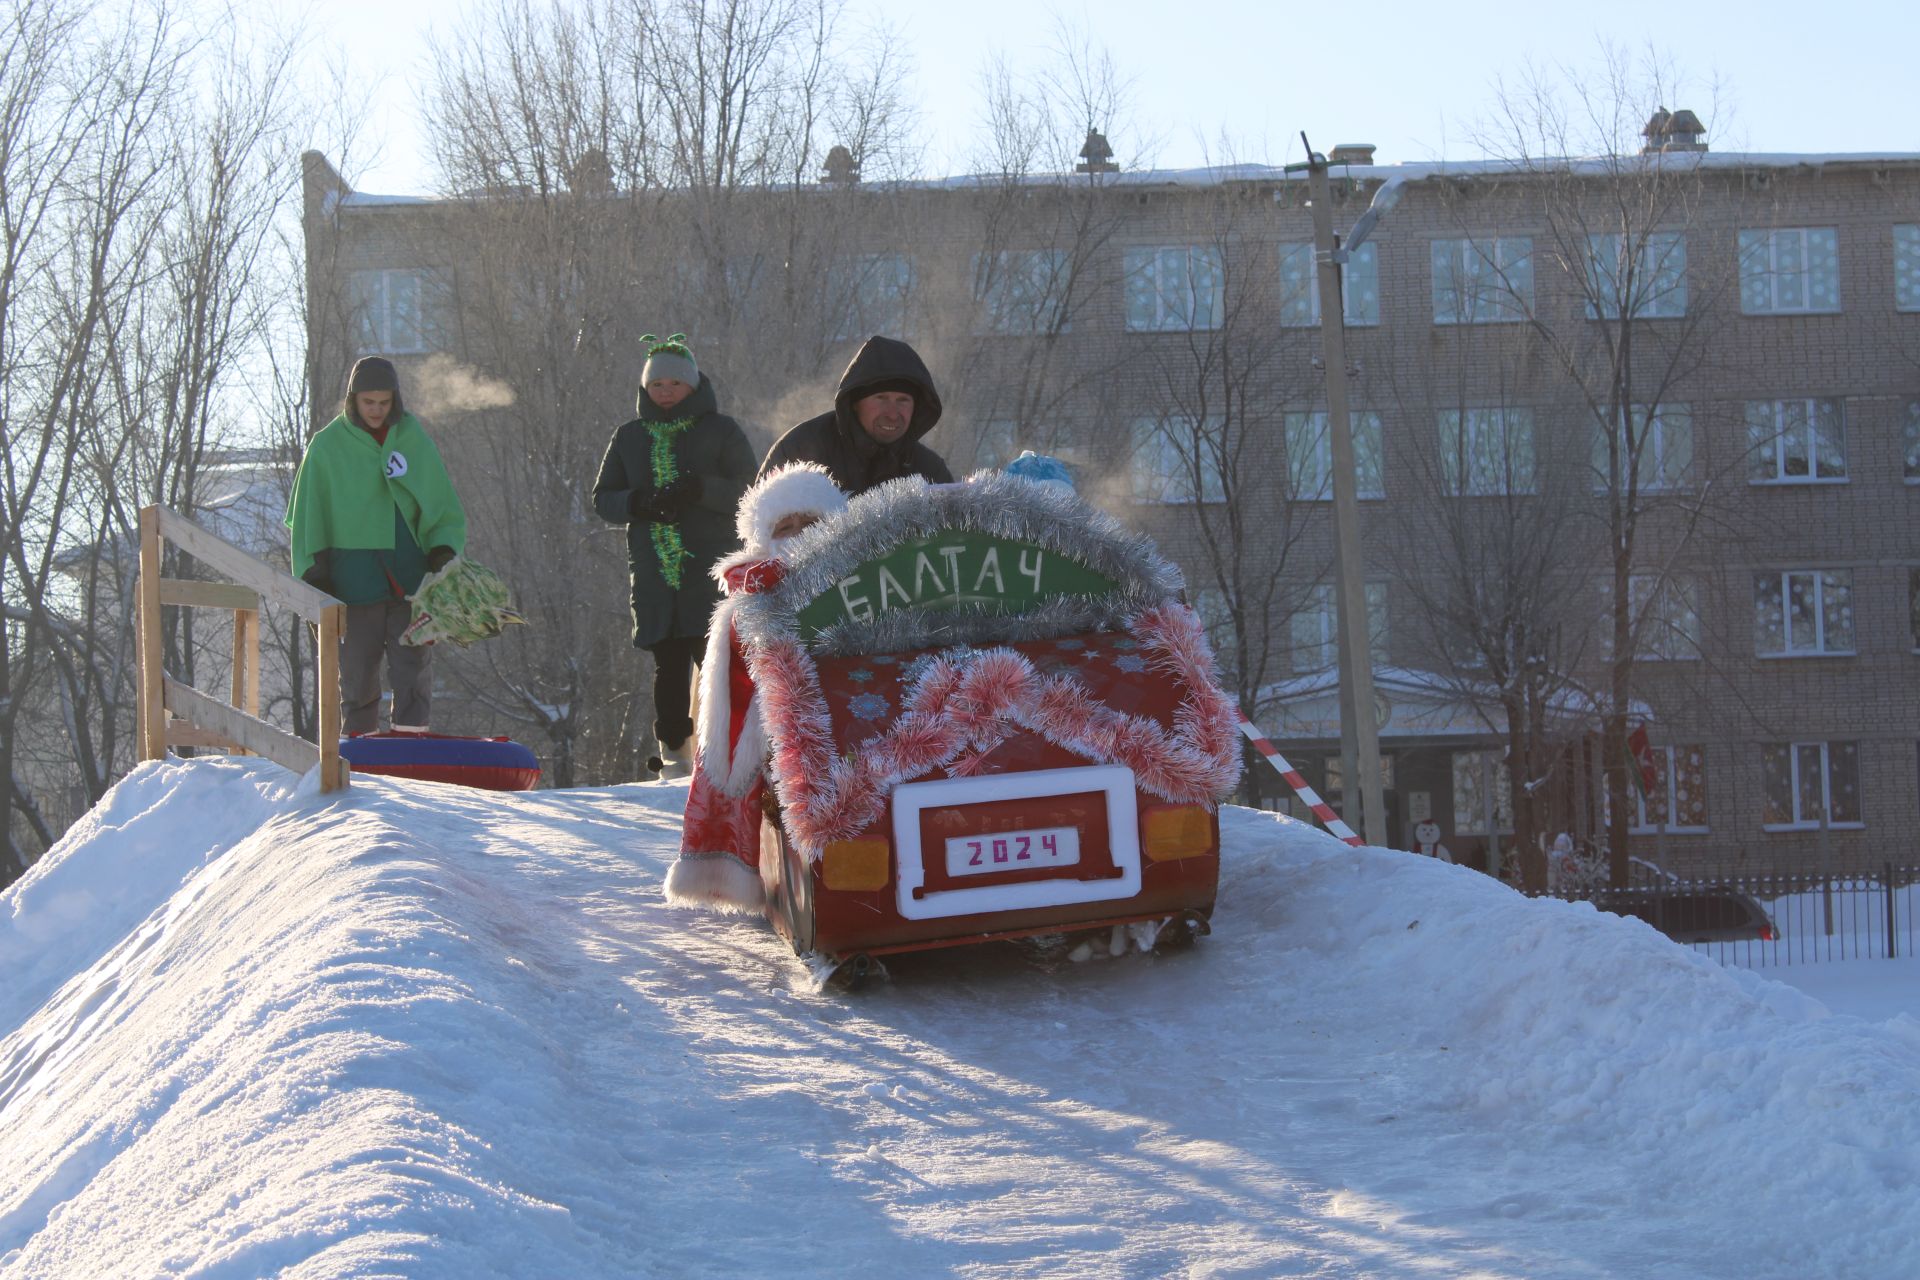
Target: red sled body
[[1013, 775]]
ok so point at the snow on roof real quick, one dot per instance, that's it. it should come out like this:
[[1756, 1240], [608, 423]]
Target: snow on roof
[[421, 1030], [1409, 171]]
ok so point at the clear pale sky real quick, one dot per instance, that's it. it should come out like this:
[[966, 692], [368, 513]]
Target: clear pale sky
[[1412, 76]]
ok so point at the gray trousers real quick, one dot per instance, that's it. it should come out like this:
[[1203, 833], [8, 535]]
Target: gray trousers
[[373, 632]]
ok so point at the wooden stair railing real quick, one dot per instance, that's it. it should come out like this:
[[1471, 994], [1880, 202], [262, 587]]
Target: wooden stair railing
[[179, 715]]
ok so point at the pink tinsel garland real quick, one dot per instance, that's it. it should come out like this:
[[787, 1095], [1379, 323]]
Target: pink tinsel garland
[[966, 704]]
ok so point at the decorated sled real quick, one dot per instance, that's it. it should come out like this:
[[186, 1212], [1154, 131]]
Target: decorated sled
[[987, 714], [492, 764]]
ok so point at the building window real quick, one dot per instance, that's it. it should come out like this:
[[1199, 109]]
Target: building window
[[1664, 454], [1913, 605], [999, 444], [1796, 441], [870, 293], [1316, 629], [397, 313], [1667, 615], [1174, 288], [1678, 802], [1906, 268], [1487, 451], [1479, 783], [1648, 284], [1910, 437], [1794, 271], [1810, 784], [1176, 460], [1021, 291], [1210, 604], [1482, 281], [1310, 456], [1300, 286], [1803, 612]]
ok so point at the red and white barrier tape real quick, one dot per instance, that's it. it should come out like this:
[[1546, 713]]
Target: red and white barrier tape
[[1321, 808]]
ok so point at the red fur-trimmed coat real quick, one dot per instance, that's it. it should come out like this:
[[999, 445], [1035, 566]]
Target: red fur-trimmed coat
[[730, 743]]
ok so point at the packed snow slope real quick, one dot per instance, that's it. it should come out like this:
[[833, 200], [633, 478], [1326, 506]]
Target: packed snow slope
[[246, 1030]]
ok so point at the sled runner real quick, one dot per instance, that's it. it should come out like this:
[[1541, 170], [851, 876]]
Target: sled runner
[[492, 764], [988, 715]]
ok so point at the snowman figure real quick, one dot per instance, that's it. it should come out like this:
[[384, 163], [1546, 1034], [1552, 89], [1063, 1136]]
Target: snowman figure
[[1426, 840]]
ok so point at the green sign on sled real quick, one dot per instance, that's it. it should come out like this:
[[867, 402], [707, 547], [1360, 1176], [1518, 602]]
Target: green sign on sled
[[955, 570]]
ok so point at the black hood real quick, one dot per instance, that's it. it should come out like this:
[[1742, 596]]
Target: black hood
[[886, 360], [698, 404]]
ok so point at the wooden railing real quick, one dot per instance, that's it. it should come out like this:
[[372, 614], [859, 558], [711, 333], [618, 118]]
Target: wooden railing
[[173, 714]]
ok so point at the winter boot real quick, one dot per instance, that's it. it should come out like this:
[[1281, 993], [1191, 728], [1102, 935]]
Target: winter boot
[[674, 762]]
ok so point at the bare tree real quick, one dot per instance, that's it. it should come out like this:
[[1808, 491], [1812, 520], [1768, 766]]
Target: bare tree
[[1625, 326]]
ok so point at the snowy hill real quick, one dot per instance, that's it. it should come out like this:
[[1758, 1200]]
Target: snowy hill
[[424, 1031]]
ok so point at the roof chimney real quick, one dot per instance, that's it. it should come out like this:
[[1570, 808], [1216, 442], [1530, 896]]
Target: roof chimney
[[1096, 156], [1673, 131], [1351, 153], [841, 170]]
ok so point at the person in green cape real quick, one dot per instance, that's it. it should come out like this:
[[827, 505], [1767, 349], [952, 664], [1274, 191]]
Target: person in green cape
[[373, 512]]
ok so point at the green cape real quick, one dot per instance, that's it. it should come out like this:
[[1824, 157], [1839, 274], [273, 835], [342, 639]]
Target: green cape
[[351, 487]]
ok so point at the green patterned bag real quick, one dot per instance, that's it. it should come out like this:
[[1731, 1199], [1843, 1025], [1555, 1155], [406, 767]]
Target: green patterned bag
[[463, 602]]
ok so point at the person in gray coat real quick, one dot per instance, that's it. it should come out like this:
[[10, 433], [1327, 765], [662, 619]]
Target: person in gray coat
[[673, 476]]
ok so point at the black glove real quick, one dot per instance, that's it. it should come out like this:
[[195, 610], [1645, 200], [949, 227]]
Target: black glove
[[679, 495], [439, 558], [643, 508]]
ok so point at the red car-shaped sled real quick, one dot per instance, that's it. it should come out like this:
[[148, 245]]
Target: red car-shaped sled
[[987, 715]]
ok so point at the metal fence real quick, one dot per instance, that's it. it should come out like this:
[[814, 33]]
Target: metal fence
[[1755, 921]]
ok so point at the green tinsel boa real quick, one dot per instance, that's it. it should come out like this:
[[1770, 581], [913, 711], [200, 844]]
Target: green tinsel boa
[[667, 546]]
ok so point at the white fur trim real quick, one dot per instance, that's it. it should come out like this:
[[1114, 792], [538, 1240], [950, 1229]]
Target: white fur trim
[[798, 486], [716, 881], [732, 776]]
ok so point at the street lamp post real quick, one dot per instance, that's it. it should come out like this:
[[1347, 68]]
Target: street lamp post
[[1359, 727]]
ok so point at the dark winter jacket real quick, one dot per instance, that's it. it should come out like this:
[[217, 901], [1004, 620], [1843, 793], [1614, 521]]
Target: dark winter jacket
[[837, 442], [714, 450]]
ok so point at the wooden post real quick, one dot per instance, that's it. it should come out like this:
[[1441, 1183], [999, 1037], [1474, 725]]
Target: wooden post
[[252, 707], [326, 665], [153, 712]]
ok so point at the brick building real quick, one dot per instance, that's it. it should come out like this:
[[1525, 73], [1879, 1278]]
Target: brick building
[[1159, 330]]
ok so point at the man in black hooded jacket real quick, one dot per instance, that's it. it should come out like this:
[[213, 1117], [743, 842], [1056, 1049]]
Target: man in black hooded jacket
[[885, 404]]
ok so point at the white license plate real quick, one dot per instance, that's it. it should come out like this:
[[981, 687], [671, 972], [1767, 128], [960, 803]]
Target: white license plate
[[1012, 850]]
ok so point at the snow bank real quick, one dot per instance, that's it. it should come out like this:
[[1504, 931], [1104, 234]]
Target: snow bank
[[434, 1032]]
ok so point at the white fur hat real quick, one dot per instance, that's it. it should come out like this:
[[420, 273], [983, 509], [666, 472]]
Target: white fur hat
[[794, 488]]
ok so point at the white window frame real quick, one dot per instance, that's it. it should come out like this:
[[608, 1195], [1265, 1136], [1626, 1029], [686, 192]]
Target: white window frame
[[1465, 463], [1666, 449], [1796, 759], [372, 295], [1640, 823], [871, 302], [1906, 267], [997, 445], [1300, 287], [1771, 430], [1474, 824], [1910, 443], [1482, 281], [1763, 280], [1314, 632], [1783, 581], [1168, 280], [1660, 276], [1020, 291], [1170, 481], [1310, 456], [1654, 602]]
